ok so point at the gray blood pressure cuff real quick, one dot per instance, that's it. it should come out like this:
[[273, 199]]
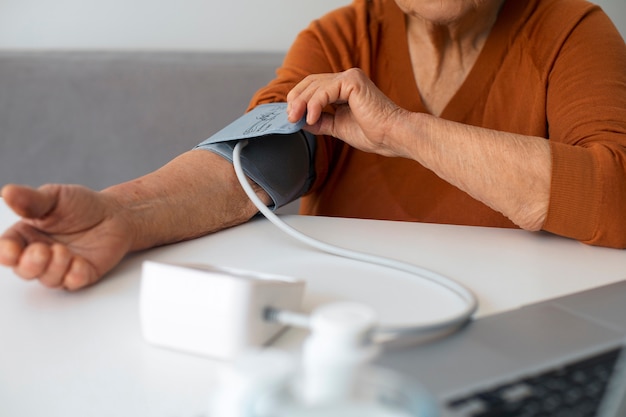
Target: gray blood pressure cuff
[[279, 154]]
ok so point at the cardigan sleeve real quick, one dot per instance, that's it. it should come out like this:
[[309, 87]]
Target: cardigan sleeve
[[586, 108]]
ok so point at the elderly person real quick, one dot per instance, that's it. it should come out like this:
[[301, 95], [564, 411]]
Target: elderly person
[[477, 112]]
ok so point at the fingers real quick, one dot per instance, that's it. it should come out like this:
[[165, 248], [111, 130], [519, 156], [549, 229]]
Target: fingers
[[33, 261], [79, 275], [296, 105], [296, 109], [299, 101], [317, 91], [312, 94], [53, 265], [28, 202], [10, 251], [47, 263], [54, 275]]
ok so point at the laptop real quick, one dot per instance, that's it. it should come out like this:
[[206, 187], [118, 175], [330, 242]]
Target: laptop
[[563, 357]]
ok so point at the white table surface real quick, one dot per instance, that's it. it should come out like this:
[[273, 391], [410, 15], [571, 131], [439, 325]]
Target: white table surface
[[82, 354]]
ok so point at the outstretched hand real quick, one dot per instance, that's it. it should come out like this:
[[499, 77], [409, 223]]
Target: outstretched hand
[[69, 236], [363, 115]]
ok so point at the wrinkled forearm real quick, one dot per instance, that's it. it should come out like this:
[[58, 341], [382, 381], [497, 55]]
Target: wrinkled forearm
[[195, 194], [508, 172]]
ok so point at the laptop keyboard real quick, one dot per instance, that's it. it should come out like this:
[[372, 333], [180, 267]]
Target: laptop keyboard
[[574, 390]]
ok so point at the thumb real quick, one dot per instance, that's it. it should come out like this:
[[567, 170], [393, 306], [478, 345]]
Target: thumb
[[28, 202]]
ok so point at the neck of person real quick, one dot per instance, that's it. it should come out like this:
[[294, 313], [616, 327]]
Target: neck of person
[[462, 33]]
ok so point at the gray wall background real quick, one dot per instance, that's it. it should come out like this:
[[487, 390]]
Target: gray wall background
[[216, 25]]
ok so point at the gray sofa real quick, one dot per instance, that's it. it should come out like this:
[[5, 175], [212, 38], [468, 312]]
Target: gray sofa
[[100, 118]]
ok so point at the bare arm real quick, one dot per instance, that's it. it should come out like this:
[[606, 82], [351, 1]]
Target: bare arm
[[510, 173], [195, 194], [71, 236]]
